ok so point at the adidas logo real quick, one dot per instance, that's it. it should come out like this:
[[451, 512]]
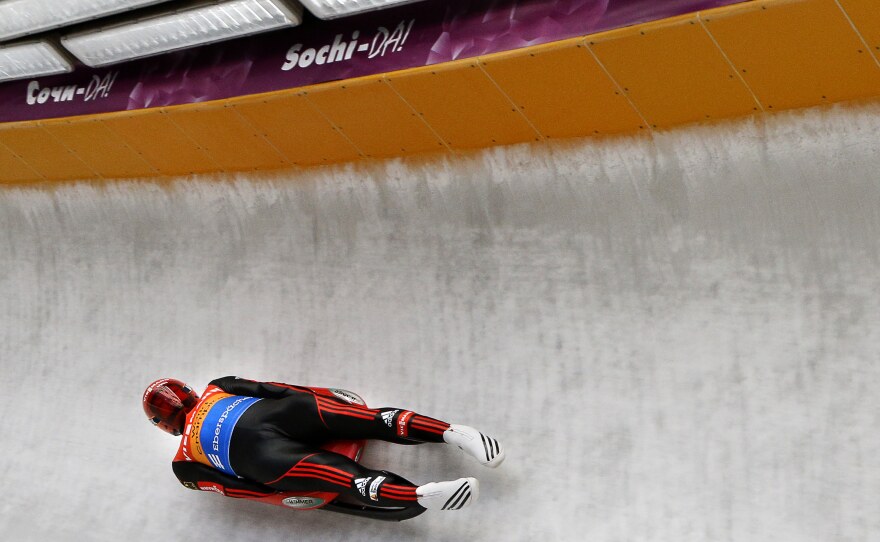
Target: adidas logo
[[388, 417], [361, 484]]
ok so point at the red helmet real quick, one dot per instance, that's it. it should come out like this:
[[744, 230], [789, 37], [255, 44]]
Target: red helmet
[[166, 403]]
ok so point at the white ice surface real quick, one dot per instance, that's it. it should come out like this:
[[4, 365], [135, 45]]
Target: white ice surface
[[676, 338]]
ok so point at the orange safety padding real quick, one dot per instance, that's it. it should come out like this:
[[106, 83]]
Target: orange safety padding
[[463, 105], [673, 72], [562, 90], [372, 115], [13, 169], [99, 148], [865, 16], [46, 155], [796, 53], [297, 129], [160, 142], [721, 63], [231, 142]]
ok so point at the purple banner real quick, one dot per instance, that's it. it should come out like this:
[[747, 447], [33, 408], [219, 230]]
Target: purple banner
[[419, 34]]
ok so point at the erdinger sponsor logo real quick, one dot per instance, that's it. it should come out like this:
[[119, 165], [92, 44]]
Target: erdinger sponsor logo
[[361, 484], [302, 502], [348, 396], [388, 417], [384, 41], [402, 429], [374, 487]]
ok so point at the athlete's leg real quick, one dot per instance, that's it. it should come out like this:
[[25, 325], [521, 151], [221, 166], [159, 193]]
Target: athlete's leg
[[405, 426], [272, 459], [327, 471], [311, 417], [391, 424]]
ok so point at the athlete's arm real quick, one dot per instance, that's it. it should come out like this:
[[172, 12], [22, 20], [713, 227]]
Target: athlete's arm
[[251, 388], [204, 478]]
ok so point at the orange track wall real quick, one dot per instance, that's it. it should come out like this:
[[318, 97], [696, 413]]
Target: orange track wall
[[757, 56]]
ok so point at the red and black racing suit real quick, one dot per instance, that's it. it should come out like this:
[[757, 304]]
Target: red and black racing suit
[[273, 433]]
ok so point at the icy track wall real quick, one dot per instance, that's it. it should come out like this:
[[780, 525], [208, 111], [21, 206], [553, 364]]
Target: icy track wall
[[675, 337]]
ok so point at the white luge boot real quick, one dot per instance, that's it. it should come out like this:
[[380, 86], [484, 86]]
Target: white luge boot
[[453, 495], [484, 449]]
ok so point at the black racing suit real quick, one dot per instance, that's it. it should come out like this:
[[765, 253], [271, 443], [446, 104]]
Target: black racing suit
[[256, 438]]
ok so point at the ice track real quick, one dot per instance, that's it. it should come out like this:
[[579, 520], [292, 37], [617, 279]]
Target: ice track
[[676, 337]]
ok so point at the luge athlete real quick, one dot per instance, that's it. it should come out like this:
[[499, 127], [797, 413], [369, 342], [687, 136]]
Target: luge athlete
[[244, 438]]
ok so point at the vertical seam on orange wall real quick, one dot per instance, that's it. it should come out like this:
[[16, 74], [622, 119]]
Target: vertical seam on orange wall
[[418, 115], [616, 84], [729, 61], [480, 64], [337, 129], [259, 132], [858, 33], [204, 151], [23, 161], [70, 151]]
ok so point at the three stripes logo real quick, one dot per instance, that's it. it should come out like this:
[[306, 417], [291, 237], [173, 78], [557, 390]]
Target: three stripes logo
[[459, 498], [491, 447]]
